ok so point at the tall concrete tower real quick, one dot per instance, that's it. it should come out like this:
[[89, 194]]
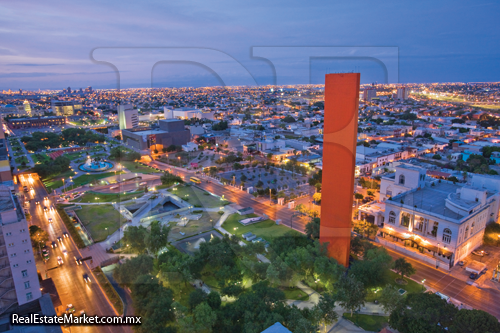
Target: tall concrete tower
[[339, 158]]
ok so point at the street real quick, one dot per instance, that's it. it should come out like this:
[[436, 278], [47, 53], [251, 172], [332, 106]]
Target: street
[[68, 278]]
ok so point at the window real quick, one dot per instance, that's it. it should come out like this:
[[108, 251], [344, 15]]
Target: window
[[402, 179], [24, 273], [13, 255], [28, 261], [405, 219], [24, 241], [8, 233], [392, 217], [15, 265], [472, 228], [11, 244], [22, 230], [446, 235], [27, 285], [466, 232], [29, 296], [27, 251]]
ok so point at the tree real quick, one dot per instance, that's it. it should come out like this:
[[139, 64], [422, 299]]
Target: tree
[[389, 298], [422, 312], [403, 267], [169, 179], [358, 196], [214, 300], [373, 269], [38, 236], [317, 197], [436, 157], [128, 272], [175, 266], [134, 239], [157, 238], [326, 309], [350, 294], [312, 228], [196, 297], [474, 321]]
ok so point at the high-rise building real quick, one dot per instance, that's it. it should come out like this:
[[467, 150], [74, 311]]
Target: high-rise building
[[369, 93], [18, 271], [128, 117], [27, 108], [65, 108], [5, 172], [403, 93], [69, 90]]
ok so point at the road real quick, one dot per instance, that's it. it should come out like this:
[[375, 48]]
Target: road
[[68, 278], [485, 299]]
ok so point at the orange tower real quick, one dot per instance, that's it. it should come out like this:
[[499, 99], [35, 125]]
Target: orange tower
[[339, 158]]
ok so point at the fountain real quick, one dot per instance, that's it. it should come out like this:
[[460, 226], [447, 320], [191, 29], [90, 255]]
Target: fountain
[[95, 165]]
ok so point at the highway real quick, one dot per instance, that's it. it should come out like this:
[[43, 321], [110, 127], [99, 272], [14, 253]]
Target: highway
[[68, 278]]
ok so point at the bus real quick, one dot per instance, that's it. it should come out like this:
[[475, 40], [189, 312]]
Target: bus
[[195, 180]]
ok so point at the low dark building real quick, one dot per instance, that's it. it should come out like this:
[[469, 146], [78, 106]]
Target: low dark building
[[16, 123], [171, 132]]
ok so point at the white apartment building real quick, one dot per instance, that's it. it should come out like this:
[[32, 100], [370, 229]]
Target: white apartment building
[[128, 117], [435, 220], [18, 275]]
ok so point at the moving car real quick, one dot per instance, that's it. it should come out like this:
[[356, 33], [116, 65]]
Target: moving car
[[37, 202], [60, 261], [45, 209], [53, 244], [78, 260], [65, 252], [45, 198], [143, 183], [45, 253], [65, 234], [59, 239], [86, 278], [50, 219]]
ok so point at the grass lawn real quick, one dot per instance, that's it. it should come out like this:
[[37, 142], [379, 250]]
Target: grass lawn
[[98, 217], [181, 292], [39, 158], [266, 229], [88, 178], [138, 167], [197, 197], [56, 182], [21, 159], [90, 197], [411, 287], [368, 322], [295, 293]]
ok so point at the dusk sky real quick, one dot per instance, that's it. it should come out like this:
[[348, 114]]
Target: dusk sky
[[56, 44]]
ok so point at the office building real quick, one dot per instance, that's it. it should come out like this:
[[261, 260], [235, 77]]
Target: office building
[[27, 108], [128, 117], [18, 274], [369, 93], [171, 132], [65, 108], [5, 172], [403, 93]]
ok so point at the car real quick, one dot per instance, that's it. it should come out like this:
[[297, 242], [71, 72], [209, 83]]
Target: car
[[53, 244], [70, 308], [50, 219], [86, 278], [78, 260], [45, 209], [51, 207], [45, 198], [478, 253], [65, 234], [59, 239], [60, 261], [473, 276], [65, 252], [460, 263], [143, 183], [37, 202]]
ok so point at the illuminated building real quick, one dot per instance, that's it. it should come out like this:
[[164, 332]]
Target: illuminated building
[[128, 117]]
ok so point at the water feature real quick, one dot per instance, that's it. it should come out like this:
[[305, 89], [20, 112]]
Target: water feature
[[94, 165]]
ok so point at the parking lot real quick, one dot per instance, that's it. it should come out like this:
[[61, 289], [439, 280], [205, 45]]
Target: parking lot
[[273, 178], [491, 260]]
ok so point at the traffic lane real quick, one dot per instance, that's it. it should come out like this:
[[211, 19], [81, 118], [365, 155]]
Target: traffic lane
[[69, 278], [123, 187], [454, 287]]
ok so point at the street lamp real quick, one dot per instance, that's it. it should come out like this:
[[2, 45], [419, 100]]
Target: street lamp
[[107, 232], [423, 281], [212, 222], [64, 185]]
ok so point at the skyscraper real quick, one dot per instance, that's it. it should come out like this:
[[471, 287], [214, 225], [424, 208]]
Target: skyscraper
[[403, 93], [339, 151], [27, 107], [369, 93]]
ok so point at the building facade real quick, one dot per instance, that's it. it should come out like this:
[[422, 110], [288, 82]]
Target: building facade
[[128, 117], [65, 108], [17, 123]]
